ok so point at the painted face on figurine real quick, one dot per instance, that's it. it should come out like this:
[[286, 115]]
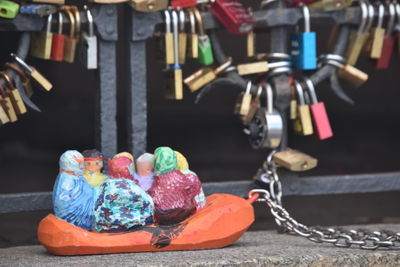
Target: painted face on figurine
[[145, 168], [93, 160], [93, 165]]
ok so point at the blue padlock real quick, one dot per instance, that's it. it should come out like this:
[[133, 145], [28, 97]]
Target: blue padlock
[[304, 45]]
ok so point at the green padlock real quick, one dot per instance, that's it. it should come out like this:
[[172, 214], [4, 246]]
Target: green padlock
[[206, 56], [8, 9]]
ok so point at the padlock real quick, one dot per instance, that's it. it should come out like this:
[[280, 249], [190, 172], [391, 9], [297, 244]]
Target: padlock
[[266, 128], [304, 45], [25, 81], [388, 41], [168, 39], [8, 9], [7, 105], [57, 45], [182, 37], [397, 27], [71, 40], [193, 39], [88, 44], [331, 5], [205, 75], [252, 68], [358, 38], [41, 41], [233, 16], [352, 76], [294, 160], [254, 106], [378, 34], [205, 52], [33, 73], [318, 112], [16, 99], [174, 74], [149, 5], [303, 122], [246, 100], [38, 10]]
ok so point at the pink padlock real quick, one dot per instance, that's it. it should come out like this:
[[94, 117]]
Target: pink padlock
[[388, 42], [318, 112]]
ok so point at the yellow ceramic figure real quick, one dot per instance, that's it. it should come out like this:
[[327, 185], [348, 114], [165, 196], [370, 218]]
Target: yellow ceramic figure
[[93, 167]]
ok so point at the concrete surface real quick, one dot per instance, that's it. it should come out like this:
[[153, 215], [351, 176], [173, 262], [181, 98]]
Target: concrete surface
[[259, 248]]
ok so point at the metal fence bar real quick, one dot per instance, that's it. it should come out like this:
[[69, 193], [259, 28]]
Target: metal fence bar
[[292, 186]]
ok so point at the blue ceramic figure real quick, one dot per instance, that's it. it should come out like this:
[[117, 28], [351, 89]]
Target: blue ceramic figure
[[73, 197], [122, 205], [144, 174]]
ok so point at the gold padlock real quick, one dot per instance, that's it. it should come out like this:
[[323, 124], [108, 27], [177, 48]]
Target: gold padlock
[[353, 76], [252, 68], [378, 35], [303, 122], [294, 160], [7, 105], [205, 75], [33, 73], [358, 38], [193, 38], [25, 81], [182, 37], [246, 100], [254, 106], [14, 95]]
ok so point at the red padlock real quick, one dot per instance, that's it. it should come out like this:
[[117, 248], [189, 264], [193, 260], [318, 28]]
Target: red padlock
[[388, 42], [319, 115], [57, 44], [233, 16]]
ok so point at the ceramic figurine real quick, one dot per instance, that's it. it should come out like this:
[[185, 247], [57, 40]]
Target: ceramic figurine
[[131, 166], [93, 167], [183, 166], [144, 173], [173, 193], [73, 197], [122, 205]]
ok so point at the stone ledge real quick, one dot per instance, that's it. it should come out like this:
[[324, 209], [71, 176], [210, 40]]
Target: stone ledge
[[259, 248]]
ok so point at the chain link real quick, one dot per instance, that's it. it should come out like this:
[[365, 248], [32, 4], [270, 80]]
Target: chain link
[[343, 238]]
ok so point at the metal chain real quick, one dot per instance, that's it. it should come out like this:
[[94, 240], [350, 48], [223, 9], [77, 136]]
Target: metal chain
[[364, 239]]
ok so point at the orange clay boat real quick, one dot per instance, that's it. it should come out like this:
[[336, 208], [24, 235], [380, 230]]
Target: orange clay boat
[[220, 223]]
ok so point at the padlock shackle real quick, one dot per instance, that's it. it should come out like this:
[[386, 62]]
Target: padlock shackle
[[182, 18], [8, 80], [371, 15], [306, 16], [269, 98], [300, 93], [364, 16], [224, 66], [175, 29], [392, 18], [72, 26], [167, 21], [192, 20], [249, 84], [22, 63], [381, 15], [90, 21], [77, 15], [60, 23], [49, 20], [311, 90], [199, 20], [397, 7]]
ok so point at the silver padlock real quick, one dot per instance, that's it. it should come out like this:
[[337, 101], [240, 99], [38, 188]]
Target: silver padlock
[[88, 45], [266, 127]]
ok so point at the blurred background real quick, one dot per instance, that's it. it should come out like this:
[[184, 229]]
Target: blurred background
[[366, 136]]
